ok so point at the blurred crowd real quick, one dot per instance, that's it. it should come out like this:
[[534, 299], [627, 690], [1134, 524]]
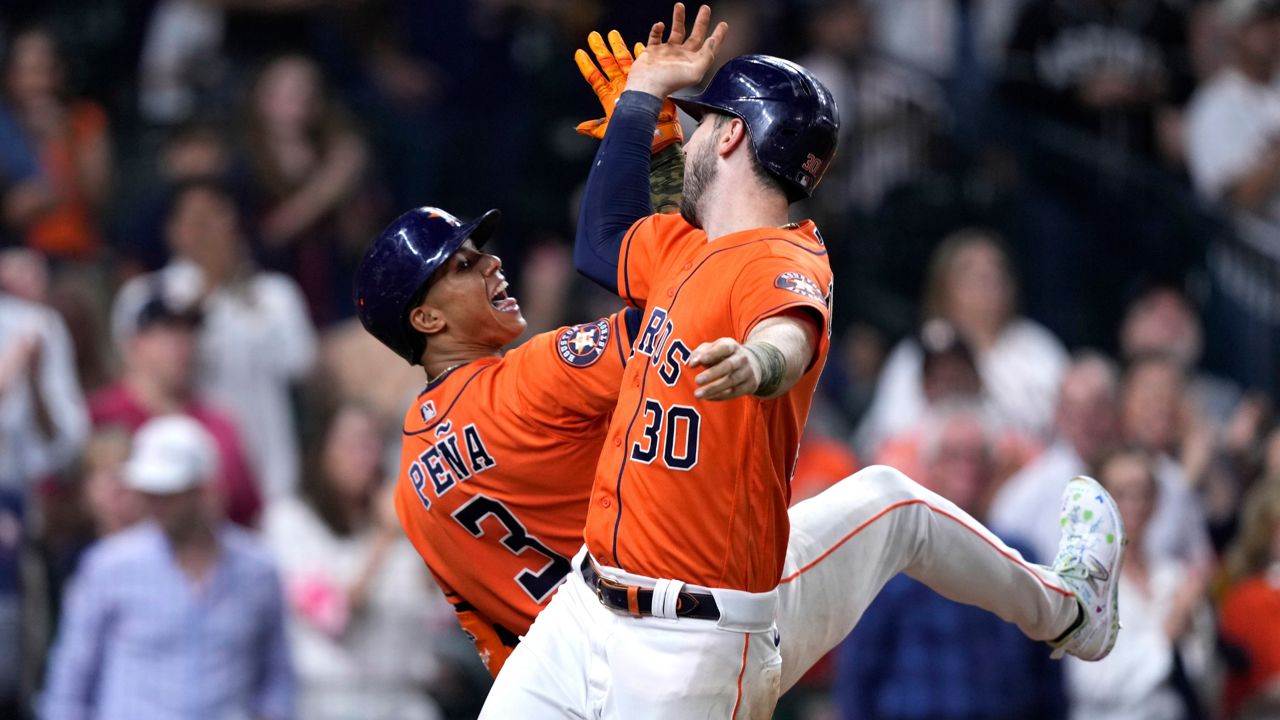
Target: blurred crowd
[[1055, 231]]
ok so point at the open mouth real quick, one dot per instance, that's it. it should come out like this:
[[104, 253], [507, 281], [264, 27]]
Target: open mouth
[[501, 301]]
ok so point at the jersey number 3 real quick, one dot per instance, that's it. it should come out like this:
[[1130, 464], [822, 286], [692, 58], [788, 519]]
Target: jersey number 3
[[538, 584]]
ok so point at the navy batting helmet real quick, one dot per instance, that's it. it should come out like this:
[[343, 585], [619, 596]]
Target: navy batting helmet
[[398, 265], [791, 117]]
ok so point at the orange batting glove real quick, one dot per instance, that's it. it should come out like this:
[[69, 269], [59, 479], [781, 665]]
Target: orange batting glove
[[615, 62]]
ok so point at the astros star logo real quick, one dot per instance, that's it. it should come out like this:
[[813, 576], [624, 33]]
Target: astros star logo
[[584, 339], [582, 345]]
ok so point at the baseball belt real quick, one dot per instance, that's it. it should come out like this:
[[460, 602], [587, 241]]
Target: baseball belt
[[638, 601]]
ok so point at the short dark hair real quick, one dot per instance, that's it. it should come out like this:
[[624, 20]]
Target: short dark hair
[[213, 185], [160, 310]]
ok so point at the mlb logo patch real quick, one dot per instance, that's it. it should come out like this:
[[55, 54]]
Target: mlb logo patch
[[582, 345], [800, 284], [428, 410]]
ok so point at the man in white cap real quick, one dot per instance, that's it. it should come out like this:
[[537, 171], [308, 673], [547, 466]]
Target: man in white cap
[[181, 616]]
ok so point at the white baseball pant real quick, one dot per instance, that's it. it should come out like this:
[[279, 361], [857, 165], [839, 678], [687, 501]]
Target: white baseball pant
[[584, 660]]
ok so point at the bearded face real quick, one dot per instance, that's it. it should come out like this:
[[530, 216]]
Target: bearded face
[[699, 169]]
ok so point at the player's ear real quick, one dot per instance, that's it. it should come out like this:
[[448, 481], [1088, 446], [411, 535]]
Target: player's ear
[[427, 319], [732, 135]]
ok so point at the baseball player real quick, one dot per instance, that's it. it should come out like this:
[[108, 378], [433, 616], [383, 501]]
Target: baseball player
[[639, 655], [499, 451]]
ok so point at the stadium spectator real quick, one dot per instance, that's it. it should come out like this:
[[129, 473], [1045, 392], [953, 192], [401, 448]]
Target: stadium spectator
[[24, 192], [1160, 659], [158, 378], [1234, 158], [1113, 69], [915, 654], [193, 151], [43, 422], [1162, 321], [43, 419], [180, 67], [308, 172], [950, 375], [109, 501], [361, 604], [891, 112], [1250, 611], [1087, 428], [72, 141], [971, 285], [179, 616], [255, 340], [1098, 87]]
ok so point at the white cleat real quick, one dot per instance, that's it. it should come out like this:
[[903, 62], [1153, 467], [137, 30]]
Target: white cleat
[[1089, 559]]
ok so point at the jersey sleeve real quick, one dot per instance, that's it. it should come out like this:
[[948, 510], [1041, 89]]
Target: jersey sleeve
[[649, 243], [572, 375], [774, 284]]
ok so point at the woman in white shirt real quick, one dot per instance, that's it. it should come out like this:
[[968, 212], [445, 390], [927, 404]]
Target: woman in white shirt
[[971, 285], [363, 611]]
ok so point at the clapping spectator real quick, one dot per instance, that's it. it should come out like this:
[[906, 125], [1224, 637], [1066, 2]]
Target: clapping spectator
[[971, 286], [179, 616], [1166, 411], [72, 141], [307, 165], [255, 339], [1161, 657], [362, 607], [915, 654], [158, 378], [1087, 428], [43, 419], [1234, 158]]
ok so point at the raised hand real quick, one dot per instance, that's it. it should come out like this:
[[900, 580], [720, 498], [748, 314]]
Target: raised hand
[[610, 79], [682, 60]]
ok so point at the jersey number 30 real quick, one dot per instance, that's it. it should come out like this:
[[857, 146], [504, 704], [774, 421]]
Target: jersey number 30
[[679, 442], [538, 584]]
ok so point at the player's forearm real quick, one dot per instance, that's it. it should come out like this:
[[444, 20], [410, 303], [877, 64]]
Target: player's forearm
[[617, 192], [666, 179], [783, 348]]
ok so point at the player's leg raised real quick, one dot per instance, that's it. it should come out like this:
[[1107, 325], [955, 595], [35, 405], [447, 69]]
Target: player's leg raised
[[847, 542]]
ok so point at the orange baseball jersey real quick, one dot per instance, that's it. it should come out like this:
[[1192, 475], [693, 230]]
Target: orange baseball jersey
[[692, 489], [496, 466]]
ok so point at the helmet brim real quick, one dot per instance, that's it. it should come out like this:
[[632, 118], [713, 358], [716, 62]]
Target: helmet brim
[[695, 108], [479, 230]]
